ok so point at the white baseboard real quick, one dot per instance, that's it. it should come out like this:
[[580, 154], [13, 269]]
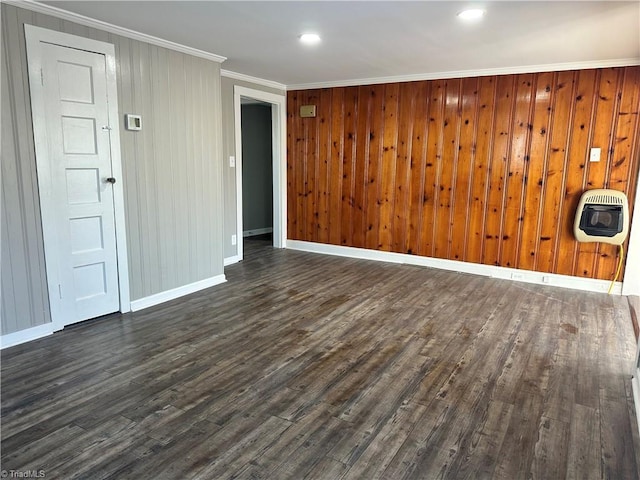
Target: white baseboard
[[27, 335], [231, 260], [174, 293], [257, 231], [528, 276]]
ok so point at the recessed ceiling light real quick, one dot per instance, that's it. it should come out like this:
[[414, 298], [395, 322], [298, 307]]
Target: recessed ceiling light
[[471, 14], [309, 38]]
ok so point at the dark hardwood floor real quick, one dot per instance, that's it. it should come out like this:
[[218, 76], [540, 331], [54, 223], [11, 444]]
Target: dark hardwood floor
[[309, 366]]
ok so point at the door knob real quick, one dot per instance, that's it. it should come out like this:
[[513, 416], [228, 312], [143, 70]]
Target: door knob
[[111, 180]]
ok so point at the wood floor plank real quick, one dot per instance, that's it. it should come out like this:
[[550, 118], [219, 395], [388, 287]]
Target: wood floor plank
[[115, 437], [299, 433], [550, 452], [187, 453], [587, 391], [305, 457], [385, 445], [583, 460], [32, 456], [238, 453], [518, 448], [477, 458], [320, 367]]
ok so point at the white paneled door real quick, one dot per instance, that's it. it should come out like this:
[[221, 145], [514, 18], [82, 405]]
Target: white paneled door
[[76, 178]]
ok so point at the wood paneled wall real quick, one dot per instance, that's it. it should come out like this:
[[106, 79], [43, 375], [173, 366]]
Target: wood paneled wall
[[485, 170]]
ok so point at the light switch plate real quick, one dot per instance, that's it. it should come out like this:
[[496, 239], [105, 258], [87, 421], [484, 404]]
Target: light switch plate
[[594, 155], [232, 161]]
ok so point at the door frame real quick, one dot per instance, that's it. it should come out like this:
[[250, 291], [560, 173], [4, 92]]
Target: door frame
[[34, 36], [279, 164]]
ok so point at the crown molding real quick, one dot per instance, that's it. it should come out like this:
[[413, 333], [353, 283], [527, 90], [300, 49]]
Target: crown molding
[[250, 79], [108, 27], [552, 67]]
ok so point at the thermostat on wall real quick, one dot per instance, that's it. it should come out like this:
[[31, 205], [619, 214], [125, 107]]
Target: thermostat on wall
[[133, 122]]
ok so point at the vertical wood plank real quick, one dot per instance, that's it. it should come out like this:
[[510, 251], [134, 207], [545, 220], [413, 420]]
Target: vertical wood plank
[[401, 210], [161, 87], [387, 183], [480, 185], [362, 162], [337, 139], [294, 140], [464, 173], [195, 208], [577, 159], [553, 179], [448, 162], [376, 136], [143, 104], [180, 203], [325, 160], [516, 178], [200, 185], [432, 168], [349, 165], [534, 193], [312, 132], [498, 168], [619, 147], [417, 166], [301, 166], [597, 172]]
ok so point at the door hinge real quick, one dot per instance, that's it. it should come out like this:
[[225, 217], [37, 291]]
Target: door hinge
[[60, 290], [42, 77]]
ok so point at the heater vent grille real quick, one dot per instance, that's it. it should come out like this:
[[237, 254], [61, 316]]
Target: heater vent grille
[[602, 216], [604, 199]]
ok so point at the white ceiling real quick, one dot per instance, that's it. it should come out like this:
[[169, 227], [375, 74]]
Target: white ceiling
[[366, 40]]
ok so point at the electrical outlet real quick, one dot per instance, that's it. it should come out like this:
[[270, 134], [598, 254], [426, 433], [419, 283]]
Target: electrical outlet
[[517, 276], [594, 155], [234, 239]]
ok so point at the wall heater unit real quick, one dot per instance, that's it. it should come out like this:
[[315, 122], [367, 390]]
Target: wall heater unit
[[602, 216]]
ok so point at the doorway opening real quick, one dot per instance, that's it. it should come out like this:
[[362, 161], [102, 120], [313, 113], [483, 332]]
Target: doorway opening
[[260, 146], [257, 173]]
